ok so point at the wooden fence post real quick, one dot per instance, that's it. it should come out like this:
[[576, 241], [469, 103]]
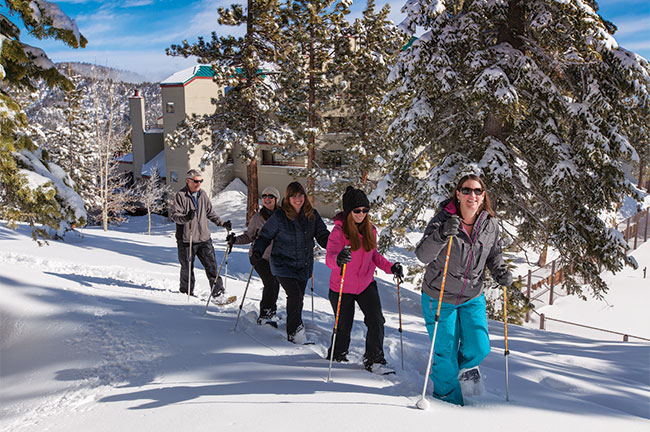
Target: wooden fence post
[[550, 298], [542, 323], [636, 227], [530, 277], [625, 338]]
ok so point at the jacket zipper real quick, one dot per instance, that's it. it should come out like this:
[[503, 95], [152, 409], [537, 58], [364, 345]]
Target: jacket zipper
[[471, 253]]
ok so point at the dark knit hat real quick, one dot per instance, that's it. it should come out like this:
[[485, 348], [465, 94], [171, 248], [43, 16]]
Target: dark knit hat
[[353, 198]]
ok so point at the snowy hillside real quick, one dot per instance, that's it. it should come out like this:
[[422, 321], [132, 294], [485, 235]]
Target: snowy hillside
[[94, 336]]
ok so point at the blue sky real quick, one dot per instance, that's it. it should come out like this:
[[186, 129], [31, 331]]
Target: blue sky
[[133, 34]]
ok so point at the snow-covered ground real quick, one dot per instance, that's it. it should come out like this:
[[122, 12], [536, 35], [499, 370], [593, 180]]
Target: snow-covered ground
[[94, 336]]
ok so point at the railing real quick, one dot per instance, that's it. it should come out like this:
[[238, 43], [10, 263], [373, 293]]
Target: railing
[[626, 336], [546, 278], [633, 227]]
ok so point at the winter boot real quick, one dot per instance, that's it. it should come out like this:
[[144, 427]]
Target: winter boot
[[471, 382], [268, 317], [217, 288], [300, 336], [340, 357]]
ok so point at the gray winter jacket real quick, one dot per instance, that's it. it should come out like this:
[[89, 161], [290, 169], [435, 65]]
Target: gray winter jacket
[[183, 202], [467, 260], [254, 226]]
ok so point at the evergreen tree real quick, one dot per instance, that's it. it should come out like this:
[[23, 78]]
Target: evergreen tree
[[72, 144], [535, 96], [370, 47], [308, 74], [246, 114], [32, 188]]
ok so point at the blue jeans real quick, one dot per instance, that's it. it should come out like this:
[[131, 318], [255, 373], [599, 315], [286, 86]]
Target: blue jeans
[[462, 342]]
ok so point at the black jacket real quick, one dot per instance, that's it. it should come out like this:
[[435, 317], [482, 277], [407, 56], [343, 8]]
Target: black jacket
[[292, 254]]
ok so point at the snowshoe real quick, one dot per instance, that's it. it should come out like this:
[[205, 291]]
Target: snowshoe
[[380, 369], [471, 383], [223, 300]]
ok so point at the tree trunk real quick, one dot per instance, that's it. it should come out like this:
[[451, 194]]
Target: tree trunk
[[253, 189], [641, 167], [312, 139], [149, 217]]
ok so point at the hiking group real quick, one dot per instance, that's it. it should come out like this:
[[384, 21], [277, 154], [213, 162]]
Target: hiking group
[[460, 241]]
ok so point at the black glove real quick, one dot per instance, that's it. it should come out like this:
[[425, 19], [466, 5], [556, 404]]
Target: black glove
[[450, 227], [344, 257], [521, 297], [227, 225], [230, 239], [397, 270], [190, 215], [256, 258]]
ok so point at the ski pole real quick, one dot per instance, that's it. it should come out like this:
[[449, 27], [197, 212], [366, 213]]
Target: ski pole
[[505, 326], [312, 297], [399, 308], [190, 265], [216, 279], [423, 403], [336, 321], [243, 298]]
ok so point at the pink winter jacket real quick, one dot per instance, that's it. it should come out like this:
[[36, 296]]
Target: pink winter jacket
[[359, 272]]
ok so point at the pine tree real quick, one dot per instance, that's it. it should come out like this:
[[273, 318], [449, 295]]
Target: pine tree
[[72, 144], [536, 97], [307, 81], [370, 47], [32, 188], [246, 114]]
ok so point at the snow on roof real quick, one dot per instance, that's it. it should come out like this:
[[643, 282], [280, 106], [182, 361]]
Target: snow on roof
[[127, 158], [184, 76], [158, 162]]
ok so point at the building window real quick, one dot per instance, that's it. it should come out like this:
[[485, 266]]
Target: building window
[[174, 176], [170, 107], [270, 158], [332, 158]]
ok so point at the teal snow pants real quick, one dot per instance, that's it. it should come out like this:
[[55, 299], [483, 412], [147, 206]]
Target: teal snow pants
[[462, 342]]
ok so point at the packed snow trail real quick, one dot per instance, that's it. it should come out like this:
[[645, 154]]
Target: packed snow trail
[[95, 336]]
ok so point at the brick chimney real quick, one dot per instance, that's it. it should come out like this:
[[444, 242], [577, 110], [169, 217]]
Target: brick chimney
[[136, 107]]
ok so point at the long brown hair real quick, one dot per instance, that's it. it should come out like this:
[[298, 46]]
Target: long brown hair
[[351, 232], [486, 205], [293, 189]]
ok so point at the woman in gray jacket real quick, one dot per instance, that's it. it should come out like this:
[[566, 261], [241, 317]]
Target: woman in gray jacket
[[268, 307], [462, 340]]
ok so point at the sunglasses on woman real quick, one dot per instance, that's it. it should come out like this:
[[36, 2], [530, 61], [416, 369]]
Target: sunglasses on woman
[[359, 210], [467, 191], [196, 181], [266, 196]]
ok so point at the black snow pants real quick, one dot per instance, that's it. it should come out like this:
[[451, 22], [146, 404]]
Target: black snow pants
[[204, 251], [370, 304]]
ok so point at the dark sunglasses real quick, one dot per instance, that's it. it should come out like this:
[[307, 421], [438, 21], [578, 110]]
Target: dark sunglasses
[[467, 191], [267, 196], [357, 211], [196, 181]]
